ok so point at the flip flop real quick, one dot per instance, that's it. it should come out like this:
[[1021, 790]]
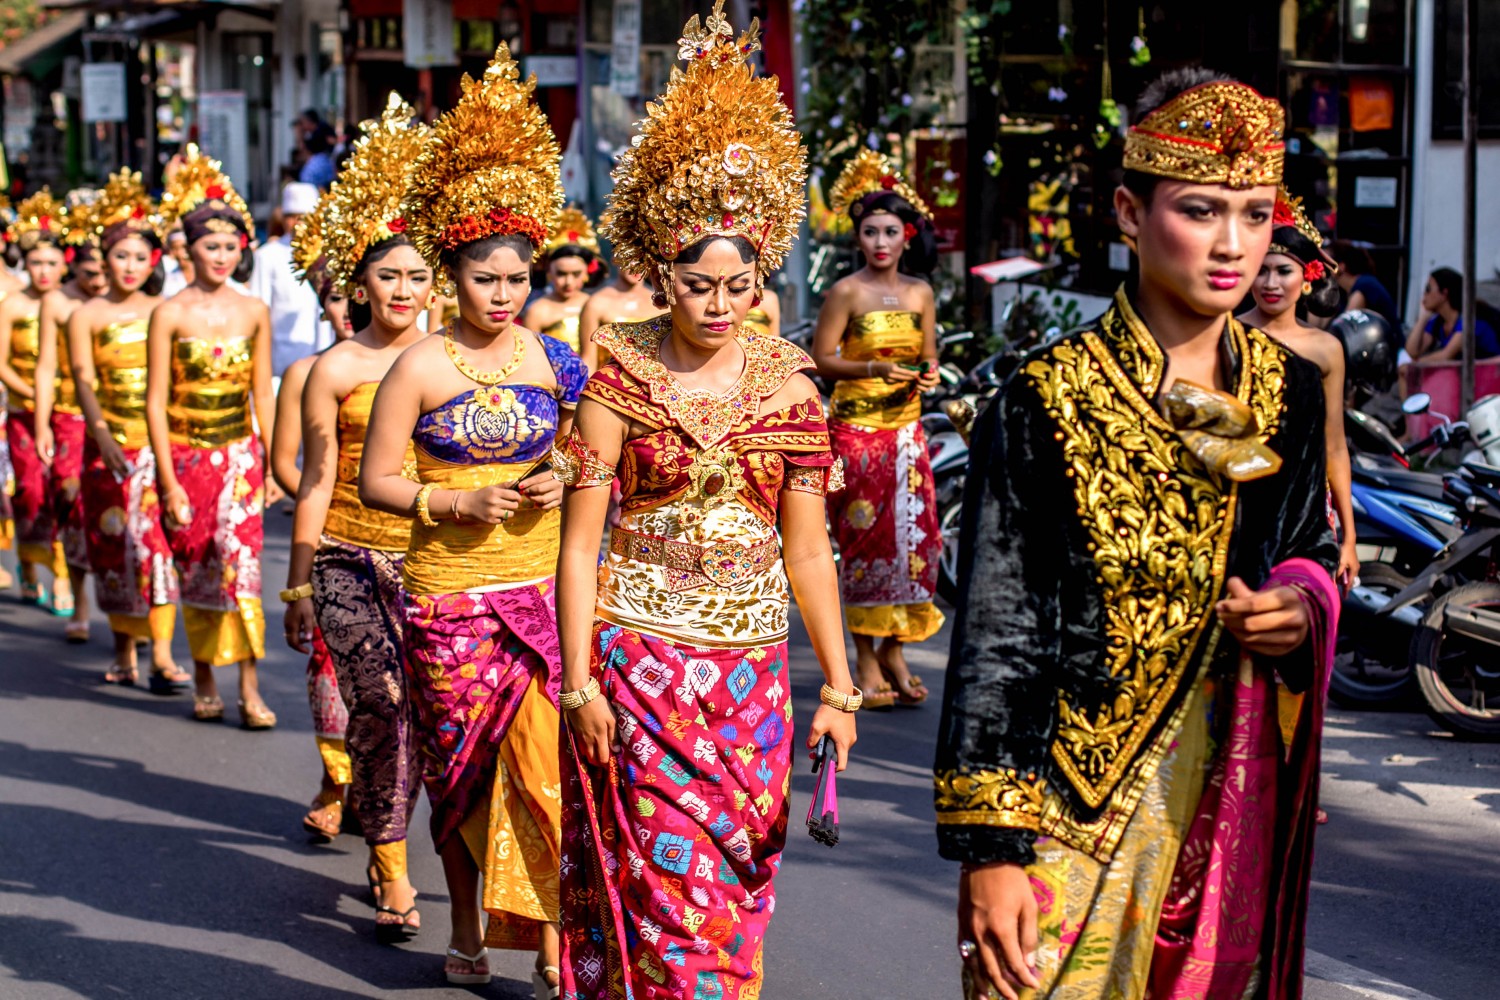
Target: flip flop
[[468, 978]]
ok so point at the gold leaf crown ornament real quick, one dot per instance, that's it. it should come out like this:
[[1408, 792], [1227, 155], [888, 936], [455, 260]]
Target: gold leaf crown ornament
[[491, 166], [124, 209], [79, 221], [716, 156], [309, 261], [1216, 133], [39, 219], [870, 173], [200, 197], [572, 228], [364, 205]]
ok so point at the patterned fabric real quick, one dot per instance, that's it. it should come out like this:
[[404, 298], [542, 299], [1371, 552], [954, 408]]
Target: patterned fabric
[[35, 522], [669, 851], [875, 402], [349, 520], [886, 525], [7, 480], [329, 716], [25, 345], [69, 431], [127, 549], [218, 551], [361, 617], [210, 402]]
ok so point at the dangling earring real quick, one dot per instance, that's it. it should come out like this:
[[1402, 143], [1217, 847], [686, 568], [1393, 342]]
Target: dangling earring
[[361, 296], [1129, 241], [1307, 288]]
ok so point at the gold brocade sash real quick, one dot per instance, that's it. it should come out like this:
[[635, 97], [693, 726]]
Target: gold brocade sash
[[1220, 430]]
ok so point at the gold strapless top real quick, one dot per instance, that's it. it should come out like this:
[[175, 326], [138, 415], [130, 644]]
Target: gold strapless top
[[210, 403], [565, 330], [24, 346], [874, 402], [759, 320], [349, 520], [120, 366]]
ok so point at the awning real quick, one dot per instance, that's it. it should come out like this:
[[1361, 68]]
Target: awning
[[117, 6], [15, 57]]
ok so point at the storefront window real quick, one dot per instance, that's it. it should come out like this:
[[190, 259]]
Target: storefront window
[[1448, 61]]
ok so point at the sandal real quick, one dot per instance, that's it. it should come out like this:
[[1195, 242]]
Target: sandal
[[167, 683], [33, 593], [123, 676], [475, 978], [543, 989], [62, 604], [256, 719], [881, 698], [910, 693], [210, 709], [398, 931], [76, 632], [325, 819]]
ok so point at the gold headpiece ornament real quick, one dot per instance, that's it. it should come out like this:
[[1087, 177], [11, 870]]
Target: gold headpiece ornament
[[124, 203], [364, 205], [1289, 214], [867, 173], [198, 181], [80, 219], [490, 166], [717, 155], [1217, 133], [573, 228], [307, 240], [38, 218]]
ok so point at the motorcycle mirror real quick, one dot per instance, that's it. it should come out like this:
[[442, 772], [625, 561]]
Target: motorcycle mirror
[[1417, 402]]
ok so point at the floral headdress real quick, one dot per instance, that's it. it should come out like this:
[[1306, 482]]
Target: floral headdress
[[124, 209], [364, 206], [491, 166], [870, 174], [1216, 133], [573, 228], [309, 259], [39, 219], [202, 198], [1294, 236], [717, 155], [79, 224]]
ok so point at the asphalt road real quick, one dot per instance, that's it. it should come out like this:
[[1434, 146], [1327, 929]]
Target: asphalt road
[[144, 855]]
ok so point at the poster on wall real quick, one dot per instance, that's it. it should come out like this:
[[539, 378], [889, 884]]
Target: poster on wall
[[625, 50], [428, 29], [224, 133], [103, 92]]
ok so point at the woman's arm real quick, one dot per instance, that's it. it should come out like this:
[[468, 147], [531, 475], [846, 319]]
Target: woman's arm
[[263, 395], [45, 388], [772, 306], [929, 339], [1339, 473], [1417, 340], [287, 442], [17, 386], [158, 385], [81, 356], [833, 320], [584, 511], [588, 322], [1356, 301], [808, 556], [320, 447]]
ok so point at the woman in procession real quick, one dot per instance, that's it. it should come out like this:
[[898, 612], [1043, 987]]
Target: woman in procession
[[208, 386], [344, 577], [37, 235], [625, 298], [325, 818], [877, 336], [60, 428], [483, 402], [675, 658], [573, 269], [134, 576]]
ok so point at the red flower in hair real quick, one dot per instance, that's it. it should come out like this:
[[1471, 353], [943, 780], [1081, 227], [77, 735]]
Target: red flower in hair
[[69, 254], [1314, 271], [593, 267], [396, 225], [244, 240], [909, 231], [44, 223], [1282, 215], [888, 182], [572, 236], [138, 212], [214, 191], [155, 257]]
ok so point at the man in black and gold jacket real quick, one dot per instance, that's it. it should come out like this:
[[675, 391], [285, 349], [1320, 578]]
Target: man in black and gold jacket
[[1129, 490]]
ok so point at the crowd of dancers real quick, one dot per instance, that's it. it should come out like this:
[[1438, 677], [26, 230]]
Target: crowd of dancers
[[604, 731]]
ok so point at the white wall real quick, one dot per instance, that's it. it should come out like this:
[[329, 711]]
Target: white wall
[[1437, 235]]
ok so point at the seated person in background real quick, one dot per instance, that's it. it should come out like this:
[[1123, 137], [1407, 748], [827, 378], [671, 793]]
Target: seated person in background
[[1356, 276], [1432, 338]]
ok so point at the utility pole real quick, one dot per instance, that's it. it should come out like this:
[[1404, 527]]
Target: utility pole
[[1471, 142]]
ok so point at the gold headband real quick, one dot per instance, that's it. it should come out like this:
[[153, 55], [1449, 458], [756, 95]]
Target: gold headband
[[1218, 133]]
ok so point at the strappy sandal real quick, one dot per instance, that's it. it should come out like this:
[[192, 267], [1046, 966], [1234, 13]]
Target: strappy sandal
[[208, 709], [256, 719], [910, 693], [325, 819], [33, 593], [881, 698], [62, 606], [543, 989], [469, 978], [123, 676], [400, 931], [168, 682], [76, 632]]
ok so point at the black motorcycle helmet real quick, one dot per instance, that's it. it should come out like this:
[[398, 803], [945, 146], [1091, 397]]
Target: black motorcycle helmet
[[1370, 349]]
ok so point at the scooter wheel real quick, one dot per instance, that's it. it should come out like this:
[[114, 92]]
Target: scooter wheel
[[1459, 675]]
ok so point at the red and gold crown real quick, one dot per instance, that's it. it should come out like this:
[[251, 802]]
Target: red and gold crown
[[38, 218], [309, 261], [1289, 215], [573, 228], [124, 208], [1216, 133], [490, 166], [717, 155], [195, 181], [867, 173], [80, 221]]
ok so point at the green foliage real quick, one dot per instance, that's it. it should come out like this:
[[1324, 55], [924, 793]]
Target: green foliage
[[19, 18]]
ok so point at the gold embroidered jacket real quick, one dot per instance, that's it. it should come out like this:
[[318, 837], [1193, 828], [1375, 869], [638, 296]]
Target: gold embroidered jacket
[[1094, 547]]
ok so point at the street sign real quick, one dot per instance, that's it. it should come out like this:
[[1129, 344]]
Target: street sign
[[224, 133], [428, 29], [625, 50], [103, 92], [553, 71]]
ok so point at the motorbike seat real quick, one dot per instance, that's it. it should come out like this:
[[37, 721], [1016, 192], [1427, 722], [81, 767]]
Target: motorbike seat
[[1427, 485], [1486, 474]]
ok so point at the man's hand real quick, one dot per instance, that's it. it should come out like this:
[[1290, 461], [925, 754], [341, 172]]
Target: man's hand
[[1269, 622], [997, 912]]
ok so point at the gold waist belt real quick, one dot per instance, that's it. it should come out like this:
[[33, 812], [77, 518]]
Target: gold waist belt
[[725, 564]]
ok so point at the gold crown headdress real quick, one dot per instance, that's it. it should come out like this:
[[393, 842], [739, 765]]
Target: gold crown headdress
[[1291, 219], [197, 182], [79, 220], [365, 202], [869, 173], [38, 219], [1216, 133], [573, 228], [717, 155], [490, 166], [309, 262], [123, 208]]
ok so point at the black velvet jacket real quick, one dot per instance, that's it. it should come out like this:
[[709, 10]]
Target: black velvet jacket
[[1094, 546]]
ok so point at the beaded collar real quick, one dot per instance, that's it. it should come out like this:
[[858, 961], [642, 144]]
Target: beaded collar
[[704, 416]]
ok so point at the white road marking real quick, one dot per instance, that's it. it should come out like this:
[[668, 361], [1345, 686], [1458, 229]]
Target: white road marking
[[1357, 980]]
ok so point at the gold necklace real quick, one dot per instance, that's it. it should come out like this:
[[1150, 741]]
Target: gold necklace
[[486, 378]]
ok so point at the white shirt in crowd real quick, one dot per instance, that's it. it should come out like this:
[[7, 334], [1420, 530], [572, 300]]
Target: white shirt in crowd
[[297, 328], [175, 282]]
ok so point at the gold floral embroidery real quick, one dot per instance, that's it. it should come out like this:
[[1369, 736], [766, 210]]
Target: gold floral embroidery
[[989, 798], [860, 514], [716, 478], [808, 480], [575, 464]]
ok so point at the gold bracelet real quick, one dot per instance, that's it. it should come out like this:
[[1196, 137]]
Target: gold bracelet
[[422, 512], [834, 698], [569, 700], [296, 593]]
